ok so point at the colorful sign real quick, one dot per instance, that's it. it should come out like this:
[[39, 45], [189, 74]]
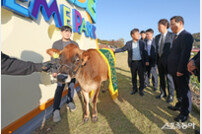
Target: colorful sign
[[89, 5], [61, 17]]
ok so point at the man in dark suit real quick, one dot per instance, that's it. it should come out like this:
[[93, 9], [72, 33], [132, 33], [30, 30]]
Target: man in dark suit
[[137, 59], [152, 68], [143, 36], [177, 66], [163, 45]]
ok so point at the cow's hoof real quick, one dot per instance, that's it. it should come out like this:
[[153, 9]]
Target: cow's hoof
[[85, 119], [94, 119]]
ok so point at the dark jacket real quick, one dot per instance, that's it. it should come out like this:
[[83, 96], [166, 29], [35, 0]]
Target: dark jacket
[[166, 48], [180, 53], [128, 47], [153, 53], [145, 40], [13, 66], [196, 60]]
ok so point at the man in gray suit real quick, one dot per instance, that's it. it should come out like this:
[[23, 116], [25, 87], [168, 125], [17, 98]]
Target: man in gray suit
[[163, 44]]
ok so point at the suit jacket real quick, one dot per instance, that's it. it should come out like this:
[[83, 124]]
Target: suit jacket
[[180, 53], [166, 48], [128, 47], [196, 60], [145, 40], [153, 53]]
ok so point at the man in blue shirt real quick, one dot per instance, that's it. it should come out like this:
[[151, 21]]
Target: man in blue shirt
[[137, 59]]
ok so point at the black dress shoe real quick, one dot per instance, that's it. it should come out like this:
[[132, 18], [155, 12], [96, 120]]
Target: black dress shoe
[[175, 108], [181, 118], [141, 93], [170, 99], [133, 92], [161, 96]]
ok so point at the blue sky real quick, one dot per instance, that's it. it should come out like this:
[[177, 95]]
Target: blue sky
[[116, 18]]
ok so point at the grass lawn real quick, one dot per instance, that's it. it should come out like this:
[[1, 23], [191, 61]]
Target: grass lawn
[[129, 114]]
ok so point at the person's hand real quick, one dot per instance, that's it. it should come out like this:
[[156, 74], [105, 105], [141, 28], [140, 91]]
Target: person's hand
[[113, 49], [191, 67], [46, 66], [147, 63], [179, 74]]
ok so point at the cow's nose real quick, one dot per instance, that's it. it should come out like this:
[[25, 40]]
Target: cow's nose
[[62, 77]]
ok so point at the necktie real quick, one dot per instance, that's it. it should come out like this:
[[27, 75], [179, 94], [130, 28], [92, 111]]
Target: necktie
[[175, 37], [161, 46]]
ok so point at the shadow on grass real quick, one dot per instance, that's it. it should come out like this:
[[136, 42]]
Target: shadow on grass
[[117, 68], [153, 109], [130, 114], [116, 119]]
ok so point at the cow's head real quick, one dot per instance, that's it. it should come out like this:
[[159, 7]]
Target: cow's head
[[71, 59]]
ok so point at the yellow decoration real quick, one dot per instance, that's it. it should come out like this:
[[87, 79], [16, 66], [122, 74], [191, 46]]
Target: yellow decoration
[[55, 55], [113, 93]]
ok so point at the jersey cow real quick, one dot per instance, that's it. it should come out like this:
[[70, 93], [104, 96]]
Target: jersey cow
[[88, 67]]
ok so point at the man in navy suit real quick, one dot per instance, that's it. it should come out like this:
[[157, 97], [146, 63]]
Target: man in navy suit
[[152, 68], [137, 59], [163, 45], [177, 66]]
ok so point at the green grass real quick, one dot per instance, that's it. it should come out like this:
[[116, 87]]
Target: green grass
[[129, 114]]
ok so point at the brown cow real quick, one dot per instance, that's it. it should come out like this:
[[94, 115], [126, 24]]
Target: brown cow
[[88, 67]]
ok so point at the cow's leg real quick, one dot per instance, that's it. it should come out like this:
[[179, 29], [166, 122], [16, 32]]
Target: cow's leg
[[104, 86], [86, 102], [95, 98]]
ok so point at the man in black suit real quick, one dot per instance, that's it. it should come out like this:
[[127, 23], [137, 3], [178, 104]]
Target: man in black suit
[[177, 66], [163, 45], [137, 59], [152, 68]]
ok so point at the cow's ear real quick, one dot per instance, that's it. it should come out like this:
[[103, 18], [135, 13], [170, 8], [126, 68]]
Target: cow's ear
[[53, 52], [85, 57]]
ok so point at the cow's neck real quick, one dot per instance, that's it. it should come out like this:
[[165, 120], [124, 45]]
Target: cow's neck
[[80, 76], [83, 77]]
